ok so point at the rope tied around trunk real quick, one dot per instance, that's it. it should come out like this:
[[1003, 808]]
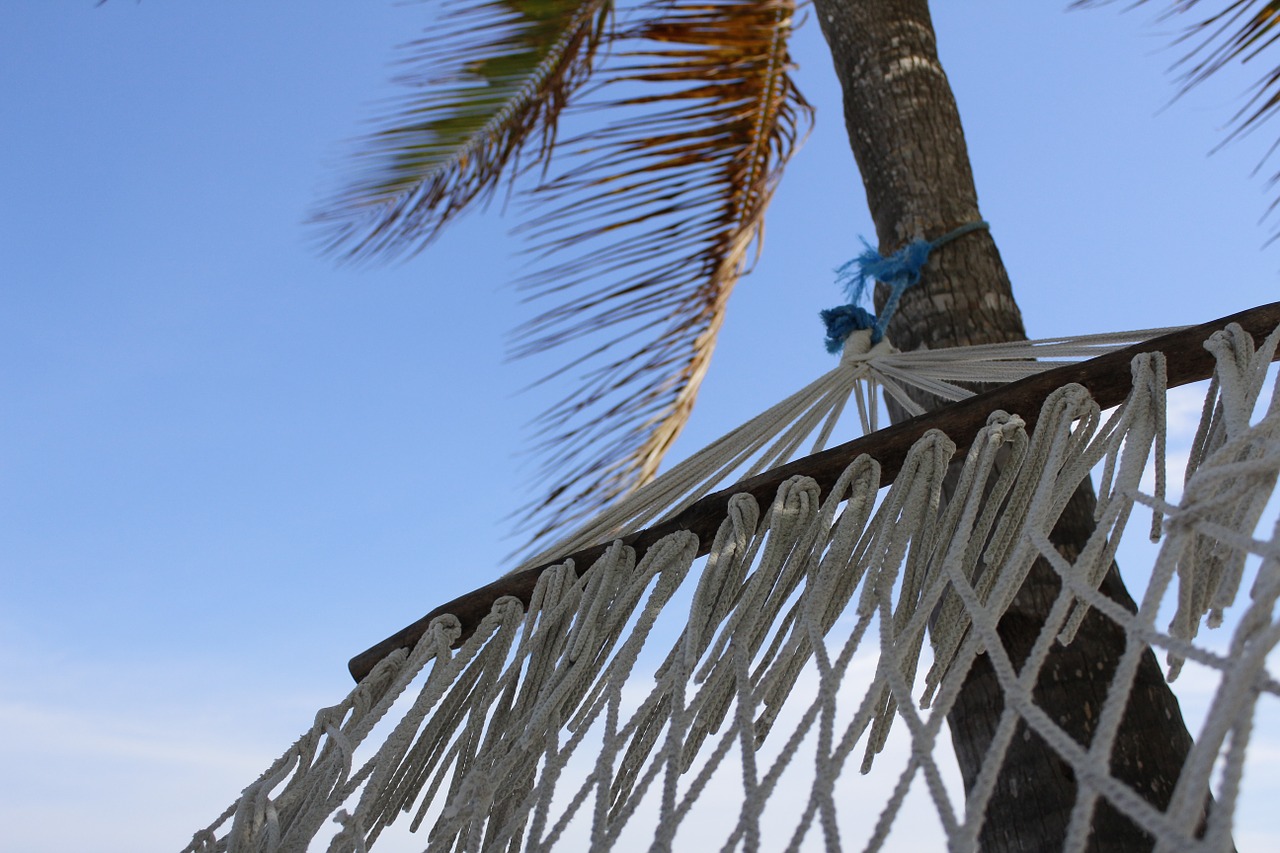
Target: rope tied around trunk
[[899, 271]]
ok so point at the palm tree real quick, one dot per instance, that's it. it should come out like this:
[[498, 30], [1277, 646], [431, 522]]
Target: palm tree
[[642, 227], [905, 131]]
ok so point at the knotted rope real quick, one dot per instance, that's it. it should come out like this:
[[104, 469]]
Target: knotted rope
[[899, 271]]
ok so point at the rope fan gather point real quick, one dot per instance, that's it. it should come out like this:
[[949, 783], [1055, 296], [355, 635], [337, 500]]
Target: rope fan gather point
[[544, 715]]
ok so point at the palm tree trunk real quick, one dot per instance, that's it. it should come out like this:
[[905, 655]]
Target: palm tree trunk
[[906, 136]]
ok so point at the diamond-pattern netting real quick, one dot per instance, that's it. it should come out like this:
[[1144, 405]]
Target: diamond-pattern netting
[[669, 701]]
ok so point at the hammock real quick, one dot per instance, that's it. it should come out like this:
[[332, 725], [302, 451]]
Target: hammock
[[550, 709]]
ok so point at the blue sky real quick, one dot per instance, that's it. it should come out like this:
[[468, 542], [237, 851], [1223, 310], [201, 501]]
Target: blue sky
[[229, 465]]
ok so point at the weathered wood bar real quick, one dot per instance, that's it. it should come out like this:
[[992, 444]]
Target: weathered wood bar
[[1107, 379]]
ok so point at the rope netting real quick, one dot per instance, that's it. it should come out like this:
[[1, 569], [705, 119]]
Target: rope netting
[[820, 626]]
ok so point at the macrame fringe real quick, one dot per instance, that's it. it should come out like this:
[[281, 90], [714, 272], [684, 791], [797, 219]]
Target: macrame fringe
[[534, 724]]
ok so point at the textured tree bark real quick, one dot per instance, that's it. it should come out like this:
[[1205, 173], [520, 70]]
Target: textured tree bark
[[905, 131]]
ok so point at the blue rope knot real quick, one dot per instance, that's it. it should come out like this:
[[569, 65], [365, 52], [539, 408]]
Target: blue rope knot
[[842, 321], [899, 271]]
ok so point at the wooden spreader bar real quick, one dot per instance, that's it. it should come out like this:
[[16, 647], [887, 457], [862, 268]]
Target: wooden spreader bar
[[1107, 379]]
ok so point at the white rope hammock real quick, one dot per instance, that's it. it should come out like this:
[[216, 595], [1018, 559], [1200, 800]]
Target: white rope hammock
[[578, 722], [782, 433]]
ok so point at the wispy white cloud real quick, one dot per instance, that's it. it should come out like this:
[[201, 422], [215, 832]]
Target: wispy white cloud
[[97, 759]]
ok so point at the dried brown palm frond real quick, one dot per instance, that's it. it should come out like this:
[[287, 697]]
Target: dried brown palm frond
[[1222, 32], [489, 83], [1238, 29], [646, 233]]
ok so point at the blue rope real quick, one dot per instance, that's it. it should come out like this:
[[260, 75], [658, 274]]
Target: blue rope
[[842, 321], [900, 270]]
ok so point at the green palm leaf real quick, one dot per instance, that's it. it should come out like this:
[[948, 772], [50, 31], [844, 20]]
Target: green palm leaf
[[648, 230], [491, 82], [641, 236]]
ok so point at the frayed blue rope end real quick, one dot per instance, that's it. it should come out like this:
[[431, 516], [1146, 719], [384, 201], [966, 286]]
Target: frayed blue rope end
[[899, 271]]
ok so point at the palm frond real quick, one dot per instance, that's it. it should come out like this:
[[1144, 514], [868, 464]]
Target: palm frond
[[646, 233], [1220, 34], [1239, 30], [489, 83]]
